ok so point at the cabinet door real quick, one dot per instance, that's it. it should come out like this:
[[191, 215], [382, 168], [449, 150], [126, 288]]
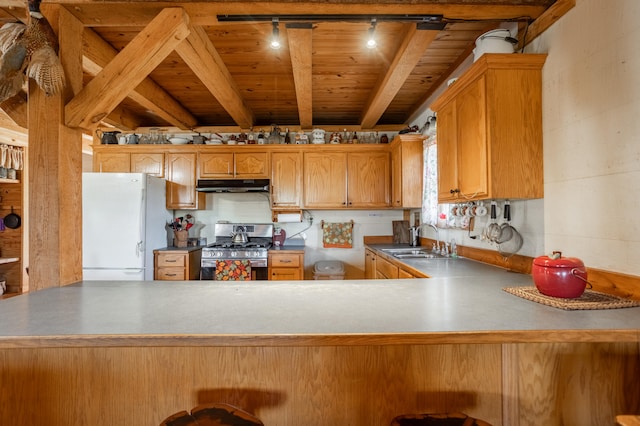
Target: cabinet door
[[252, 165], [396, 175], [111, 162], [404, 274], [325, 180], [472, 141], [152, 163], [407, 171], [369, 264], [386, 269], [369, 180], [286, 172], [216, 165], [447, 153], [181, 182]]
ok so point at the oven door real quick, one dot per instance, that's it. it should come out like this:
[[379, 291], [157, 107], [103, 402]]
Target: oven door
[[209, 270]]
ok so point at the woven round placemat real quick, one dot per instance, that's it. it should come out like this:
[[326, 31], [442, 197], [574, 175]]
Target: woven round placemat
[[589, 300]]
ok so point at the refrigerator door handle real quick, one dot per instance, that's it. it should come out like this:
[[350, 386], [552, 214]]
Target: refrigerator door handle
[[141, 236]]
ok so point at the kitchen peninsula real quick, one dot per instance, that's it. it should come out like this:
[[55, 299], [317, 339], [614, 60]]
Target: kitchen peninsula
[[316, 353]]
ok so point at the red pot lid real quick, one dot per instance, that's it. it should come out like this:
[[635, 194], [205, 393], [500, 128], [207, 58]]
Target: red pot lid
[[559, 262]]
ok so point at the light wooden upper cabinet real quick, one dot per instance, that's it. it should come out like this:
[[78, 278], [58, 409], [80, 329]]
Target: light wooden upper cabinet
[[407, 164], [340, 179], [234, 165], [325, 179], [286, 179], [181, 182], [252, 165], [151, 163], [490, 130], [218, 165], [112, 162], [368, 180], [125, 162], [312, 176]]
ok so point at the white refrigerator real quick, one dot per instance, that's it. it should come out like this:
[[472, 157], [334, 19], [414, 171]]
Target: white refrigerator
[[124, 218]]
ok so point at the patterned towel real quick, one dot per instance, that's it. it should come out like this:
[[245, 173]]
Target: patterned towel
[[337, 235], [233, 270]]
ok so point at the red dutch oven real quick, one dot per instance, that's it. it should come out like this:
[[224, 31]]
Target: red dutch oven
[[559, 276]]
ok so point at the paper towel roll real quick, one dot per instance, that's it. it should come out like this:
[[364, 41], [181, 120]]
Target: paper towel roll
[[289, 217]]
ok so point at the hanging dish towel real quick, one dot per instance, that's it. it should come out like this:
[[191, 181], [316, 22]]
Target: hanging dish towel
[[337, 235], [233, 270]]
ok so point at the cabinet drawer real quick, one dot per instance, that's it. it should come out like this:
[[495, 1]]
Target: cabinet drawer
[[284, 274], [171, 259], [169, 274], [386, 269], [285, 260]]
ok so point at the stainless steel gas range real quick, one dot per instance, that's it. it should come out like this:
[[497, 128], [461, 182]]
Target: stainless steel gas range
[[247, 242]]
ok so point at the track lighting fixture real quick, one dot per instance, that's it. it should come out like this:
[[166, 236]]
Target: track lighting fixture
[[275, 36], [371, 37]]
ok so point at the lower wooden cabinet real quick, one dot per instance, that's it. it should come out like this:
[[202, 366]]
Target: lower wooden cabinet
[[177, 265], [286, 265], [370, 260], [384, 268]]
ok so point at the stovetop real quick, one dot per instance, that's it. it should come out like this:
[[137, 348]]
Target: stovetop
[[248, 245], [259, 241], [246, 251]]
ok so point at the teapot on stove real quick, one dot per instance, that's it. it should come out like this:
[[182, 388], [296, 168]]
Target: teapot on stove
[[239, 237]]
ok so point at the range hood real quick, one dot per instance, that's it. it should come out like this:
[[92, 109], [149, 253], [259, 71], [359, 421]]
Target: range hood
[[232, 185]]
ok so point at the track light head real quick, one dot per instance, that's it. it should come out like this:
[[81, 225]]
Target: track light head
[[275, 35], [371, 36]]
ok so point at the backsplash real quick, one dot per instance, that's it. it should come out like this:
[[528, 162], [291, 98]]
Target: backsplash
[[255, 208]]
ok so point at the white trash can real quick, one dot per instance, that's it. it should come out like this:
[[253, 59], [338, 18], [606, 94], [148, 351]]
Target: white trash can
[[328, 270]]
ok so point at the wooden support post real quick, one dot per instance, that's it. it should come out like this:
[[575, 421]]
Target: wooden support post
[[55, 170]]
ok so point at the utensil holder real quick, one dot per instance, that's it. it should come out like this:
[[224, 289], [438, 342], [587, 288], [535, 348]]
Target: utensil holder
[[180, 238]]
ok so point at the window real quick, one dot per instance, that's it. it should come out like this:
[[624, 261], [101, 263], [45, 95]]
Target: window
[[430, 195]]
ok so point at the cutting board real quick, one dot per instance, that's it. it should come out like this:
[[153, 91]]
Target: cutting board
[[400, 232]]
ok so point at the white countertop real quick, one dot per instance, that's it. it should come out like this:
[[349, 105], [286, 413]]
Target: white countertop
[[466, 304]]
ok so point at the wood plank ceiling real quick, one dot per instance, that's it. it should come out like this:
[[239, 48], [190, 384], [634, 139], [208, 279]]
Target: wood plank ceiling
[[206, 73]]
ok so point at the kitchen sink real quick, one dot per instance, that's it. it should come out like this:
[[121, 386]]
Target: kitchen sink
[[411, 253]]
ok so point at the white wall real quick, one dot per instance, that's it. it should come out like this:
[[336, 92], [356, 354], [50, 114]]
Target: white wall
[[591, 116], [254, 208]]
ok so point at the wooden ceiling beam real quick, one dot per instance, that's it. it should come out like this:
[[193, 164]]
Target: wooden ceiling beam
[[201, 56], [128, 69], [97, 55], [99, 14], [301, 52], [409, 53], [122, 119], [16, 109], [548, 18]]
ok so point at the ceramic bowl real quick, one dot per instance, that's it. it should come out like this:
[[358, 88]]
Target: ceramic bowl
[[179, 141]]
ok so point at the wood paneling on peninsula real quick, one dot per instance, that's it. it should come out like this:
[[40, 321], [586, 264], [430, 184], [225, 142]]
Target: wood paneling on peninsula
[[504, 384]]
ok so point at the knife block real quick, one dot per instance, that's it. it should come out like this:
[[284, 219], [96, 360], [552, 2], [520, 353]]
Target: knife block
[[180, 238]]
